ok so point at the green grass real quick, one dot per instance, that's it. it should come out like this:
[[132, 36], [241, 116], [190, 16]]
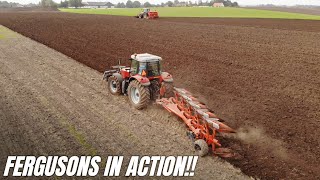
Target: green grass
[[199, 12], [81, 139], [6, 33]]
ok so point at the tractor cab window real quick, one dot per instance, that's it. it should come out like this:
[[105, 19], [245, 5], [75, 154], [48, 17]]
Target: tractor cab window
[[142, 66], [154, 68], [134, 66], [151, 68]]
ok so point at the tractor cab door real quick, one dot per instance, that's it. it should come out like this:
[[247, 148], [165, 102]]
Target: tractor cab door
[[138, 67], [153, 68], [134, 69]]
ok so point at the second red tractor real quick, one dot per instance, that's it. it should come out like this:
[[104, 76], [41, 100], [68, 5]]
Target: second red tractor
[[148, 14]]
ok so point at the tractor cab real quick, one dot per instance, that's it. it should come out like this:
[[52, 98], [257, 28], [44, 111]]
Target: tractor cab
[[147, 65], [146, 10]]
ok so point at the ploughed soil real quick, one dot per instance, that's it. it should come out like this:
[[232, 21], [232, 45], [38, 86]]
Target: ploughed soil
[[261, 75], [51, 104], [28, 9], [278, 24]]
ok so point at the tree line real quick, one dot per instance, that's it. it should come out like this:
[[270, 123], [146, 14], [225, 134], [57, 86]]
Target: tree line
[[6, 4], [48, 3], [175, 3], [64, 4], [71, 3], [128, 4], [137, 4]]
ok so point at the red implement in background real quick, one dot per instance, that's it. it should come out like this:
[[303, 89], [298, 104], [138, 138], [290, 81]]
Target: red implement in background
[[153, 15], [202, 123]]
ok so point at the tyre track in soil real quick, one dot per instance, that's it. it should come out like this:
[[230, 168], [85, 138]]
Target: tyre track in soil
[[53, 105], [257, 73]]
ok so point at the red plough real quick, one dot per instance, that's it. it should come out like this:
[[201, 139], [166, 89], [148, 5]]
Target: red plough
[[202, 123]]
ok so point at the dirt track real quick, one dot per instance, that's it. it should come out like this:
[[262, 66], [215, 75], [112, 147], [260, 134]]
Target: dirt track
[[259, 77], [53, 105]]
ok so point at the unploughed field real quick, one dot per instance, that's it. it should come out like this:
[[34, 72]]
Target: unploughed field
[[199, 12], [302, 10], [263, 79]]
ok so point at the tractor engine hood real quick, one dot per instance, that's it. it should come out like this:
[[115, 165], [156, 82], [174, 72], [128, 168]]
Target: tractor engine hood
[[166, 77]]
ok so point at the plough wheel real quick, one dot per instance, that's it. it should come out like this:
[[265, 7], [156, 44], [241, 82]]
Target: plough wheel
[[201, 147], [168, 89], [114, 85], [139, 95]]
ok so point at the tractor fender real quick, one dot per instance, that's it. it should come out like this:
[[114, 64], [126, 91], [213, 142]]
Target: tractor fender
[[142, 80], [107, 74], [118, 76], [166, 77]]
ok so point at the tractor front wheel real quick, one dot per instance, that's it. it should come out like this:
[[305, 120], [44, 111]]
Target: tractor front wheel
[[201, 147], [139, 95], [114, 85]]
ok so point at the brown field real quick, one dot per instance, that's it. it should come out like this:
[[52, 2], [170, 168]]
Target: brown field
[[51, 104], [28, 9], [260, 75]]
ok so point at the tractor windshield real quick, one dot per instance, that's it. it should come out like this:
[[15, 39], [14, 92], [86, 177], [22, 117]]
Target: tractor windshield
[[152, 68]]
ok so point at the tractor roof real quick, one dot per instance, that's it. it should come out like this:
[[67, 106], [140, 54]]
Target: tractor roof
[[145, 57]]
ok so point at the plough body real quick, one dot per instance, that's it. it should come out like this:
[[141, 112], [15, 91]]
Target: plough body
[[202, 123]]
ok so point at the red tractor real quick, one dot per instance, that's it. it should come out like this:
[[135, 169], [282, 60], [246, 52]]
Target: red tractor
[[148, 14], [142, 81]]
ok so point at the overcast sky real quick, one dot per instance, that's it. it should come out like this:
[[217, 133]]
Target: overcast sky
[[241, 2]]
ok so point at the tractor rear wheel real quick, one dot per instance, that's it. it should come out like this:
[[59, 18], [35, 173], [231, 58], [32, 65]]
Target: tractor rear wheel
[[114, 85], [139, 95], [168, 88], [201, 147]]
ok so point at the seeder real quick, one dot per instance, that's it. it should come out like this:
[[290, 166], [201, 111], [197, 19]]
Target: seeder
[[145, 81]]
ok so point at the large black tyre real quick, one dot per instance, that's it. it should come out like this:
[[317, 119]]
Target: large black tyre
[[168, 89], [139, 95], [114, 85], [201, 147]]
